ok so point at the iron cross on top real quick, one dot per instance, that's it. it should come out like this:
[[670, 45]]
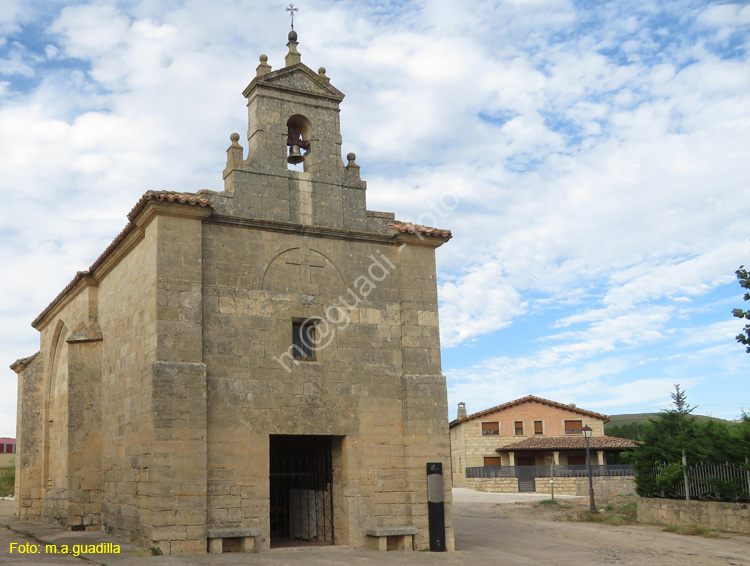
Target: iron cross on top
[[291, 9]]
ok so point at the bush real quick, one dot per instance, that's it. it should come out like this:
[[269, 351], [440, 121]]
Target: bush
[[7, 480], [693, 529]]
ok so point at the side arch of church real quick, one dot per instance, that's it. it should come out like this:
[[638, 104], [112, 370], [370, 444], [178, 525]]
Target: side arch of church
[[55, 459]]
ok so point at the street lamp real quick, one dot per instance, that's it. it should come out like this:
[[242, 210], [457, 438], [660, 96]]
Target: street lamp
[[587, 434]]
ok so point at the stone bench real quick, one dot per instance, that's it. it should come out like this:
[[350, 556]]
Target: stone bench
[[232, 539], [390, 538]]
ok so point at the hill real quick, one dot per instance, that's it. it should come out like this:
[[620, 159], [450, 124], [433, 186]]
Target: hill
[[619, 420]]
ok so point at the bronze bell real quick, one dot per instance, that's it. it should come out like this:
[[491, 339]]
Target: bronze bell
[[294, 155]]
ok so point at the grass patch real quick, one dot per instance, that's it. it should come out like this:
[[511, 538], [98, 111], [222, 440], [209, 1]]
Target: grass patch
[[608, 514], [7, 480], [549, 502], [693, 529], [615, 519]]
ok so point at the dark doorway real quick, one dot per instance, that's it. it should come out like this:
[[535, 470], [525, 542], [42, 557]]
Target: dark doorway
[[301, 476]]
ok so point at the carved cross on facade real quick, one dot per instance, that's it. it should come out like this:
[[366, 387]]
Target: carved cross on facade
[[291, 9], [307, 264]]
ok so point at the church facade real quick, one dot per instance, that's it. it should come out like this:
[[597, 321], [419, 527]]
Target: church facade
[[246, 367]]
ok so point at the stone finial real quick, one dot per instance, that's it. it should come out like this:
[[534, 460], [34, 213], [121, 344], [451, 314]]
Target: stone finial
[[293, 57], [351, 167], [234, 152], [322, 74], [264, 68]]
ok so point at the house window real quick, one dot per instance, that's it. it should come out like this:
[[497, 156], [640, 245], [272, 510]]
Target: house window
[[304, 339], [538, 427], [490, 428], [518, 428], [573, 427], [493, 461]]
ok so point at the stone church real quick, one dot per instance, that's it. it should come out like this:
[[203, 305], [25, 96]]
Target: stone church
[[250, 367]]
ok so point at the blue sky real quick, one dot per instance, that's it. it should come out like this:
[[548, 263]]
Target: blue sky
[[590, 158]]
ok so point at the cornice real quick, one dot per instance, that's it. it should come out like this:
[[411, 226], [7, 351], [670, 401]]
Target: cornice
[[301, 229]]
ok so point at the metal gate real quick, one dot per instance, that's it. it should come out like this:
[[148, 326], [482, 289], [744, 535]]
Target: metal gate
[[302, 498], [526, 481]]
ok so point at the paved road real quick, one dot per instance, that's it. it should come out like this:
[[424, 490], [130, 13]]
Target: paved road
[[464, 495], [487, 533]]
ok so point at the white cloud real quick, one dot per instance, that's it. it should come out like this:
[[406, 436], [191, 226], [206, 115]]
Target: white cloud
[[476, 303], [87, 32], [11, 15], [725, 15]]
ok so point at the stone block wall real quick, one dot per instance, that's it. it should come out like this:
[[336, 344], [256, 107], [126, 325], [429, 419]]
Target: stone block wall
[[29, 492], [492, 485], [603, 486], [173, 513], [84, 433], [390, 423], [127, 316], [717, 515]]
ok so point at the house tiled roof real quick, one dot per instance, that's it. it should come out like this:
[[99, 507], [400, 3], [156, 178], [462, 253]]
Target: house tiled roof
[[409, 228], [569, 443], [158, 196], [526, 400]]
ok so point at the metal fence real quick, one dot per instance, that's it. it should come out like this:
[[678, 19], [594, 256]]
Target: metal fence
[[719, 482], [549, 471]]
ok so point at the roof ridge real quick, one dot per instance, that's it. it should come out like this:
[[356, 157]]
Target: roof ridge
[[524, 400], [576, 442]]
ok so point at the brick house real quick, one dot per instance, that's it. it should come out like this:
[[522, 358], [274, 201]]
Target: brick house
[[7, 451], [530, 431]]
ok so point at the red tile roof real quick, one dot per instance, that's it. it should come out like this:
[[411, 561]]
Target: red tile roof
[[167, 196], [526, 400], [158, 196], [569, 443], [409, 228]]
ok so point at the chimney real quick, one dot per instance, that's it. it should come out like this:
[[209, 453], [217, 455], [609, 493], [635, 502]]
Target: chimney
[[462, 410]]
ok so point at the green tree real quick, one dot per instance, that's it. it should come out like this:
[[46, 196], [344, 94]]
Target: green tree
[[744, 278], [674, 432], [679, 400]]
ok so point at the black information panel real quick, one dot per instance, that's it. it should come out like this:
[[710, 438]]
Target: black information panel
[[435, 506]]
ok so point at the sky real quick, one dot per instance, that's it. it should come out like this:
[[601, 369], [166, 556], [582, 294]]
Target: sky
[[590, 158]]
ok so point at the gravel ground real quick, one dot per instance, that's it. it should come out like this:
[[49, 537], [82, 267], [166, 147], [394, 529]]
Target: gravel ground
[[491, 529]]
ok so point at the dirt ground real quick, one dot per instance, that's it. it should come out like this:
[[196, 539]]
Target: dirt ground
[[517, 531], [532, 533]]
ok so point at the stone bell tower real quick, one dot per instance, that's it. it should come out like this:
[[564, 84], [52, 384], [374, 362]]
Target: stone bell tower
[[293, 117]]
